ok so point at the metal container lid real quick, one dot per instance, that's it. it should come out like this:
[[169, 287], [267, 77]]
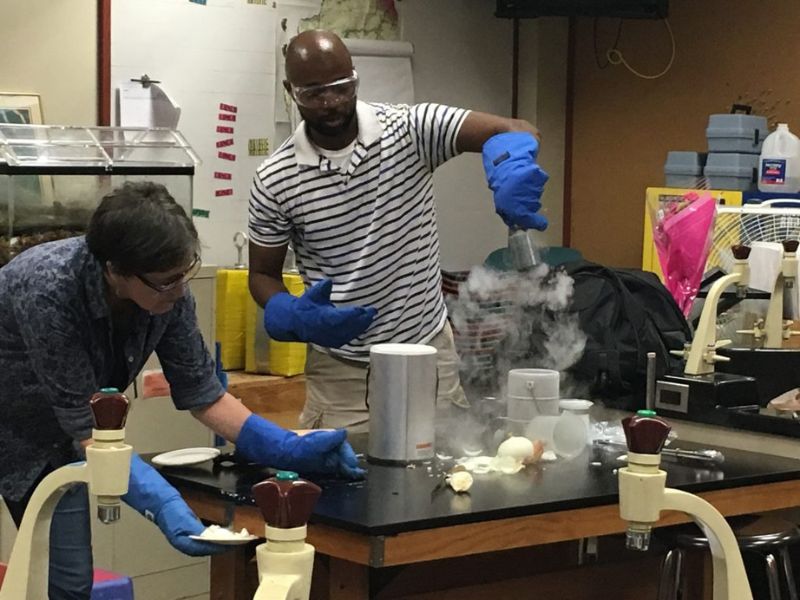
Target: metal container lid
[[402, 349]]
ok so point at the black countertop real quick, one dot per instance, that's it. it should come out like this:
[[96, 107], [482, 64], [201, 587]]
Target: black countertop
[[393, 500]]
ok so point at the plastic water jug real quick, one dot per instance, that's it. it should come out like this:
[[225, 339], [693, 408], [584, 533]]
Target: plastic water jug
[[779, 163]]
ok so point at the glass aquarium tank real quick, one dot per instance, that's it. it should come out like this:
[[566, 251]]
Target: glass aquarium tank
[[53, 177]]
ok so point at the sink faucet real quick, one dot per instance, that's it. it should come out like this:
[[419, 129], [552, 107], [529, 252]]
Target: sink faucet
[[643, 495], [701, 354], [285, 560], [106, 471]]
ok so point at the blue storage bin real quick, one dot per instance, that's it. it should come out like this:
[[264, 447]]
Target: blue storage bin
[[731, 171], [684, 169], [736, 133]]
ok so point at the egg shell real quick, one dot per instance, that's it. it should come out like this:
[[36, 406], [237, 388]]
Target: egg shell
[[518, 447]]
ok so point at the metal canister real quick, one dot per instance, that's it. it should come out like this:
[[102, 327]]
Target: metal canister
[[401, 396]]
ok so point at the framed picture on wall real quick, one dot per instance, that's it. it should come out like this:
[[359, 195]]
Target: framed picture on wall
[[20, 108], [24, 109]]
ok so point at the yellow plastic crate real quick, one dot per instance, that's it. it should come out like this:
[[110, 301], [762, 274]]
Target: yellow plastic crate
[[233, 296], [265, 355]]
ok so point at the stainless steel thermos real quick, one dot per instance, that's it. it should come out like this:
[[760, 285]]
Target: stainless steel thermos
[[401, 396]]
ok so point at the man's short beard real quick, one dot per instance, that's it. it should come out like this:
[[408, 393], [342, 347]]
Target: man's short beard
[[334, 131]]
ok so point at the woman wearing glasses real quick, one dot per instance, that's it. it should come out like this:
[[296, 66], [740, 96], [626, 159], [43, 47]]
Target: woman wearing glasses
[[82, 314], [352, 190]]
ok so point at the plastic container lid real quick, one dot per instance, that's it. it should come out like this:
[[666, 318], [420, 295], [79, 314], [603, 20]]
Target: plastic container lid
[[683, 169], [731, 159], [735, 125], [686, 158], [575, 405], [729, 171], [684, 162]]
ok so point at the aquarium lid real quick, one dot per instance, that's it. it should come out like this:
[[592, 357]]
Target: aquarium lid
[[58, 149]]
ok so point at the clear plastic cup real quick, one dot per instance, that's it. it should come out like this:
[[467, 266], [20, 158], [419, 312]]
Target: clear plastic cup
[[570, 435]]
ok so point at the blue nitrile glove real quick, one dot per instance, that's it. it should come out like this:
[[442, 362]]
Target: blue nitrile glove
[[151, 495], [323, 452], [509, 160], [313, 318]]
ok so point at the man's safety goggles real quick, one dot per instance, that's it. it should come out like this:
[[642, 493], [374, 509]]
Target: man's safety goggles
[[313, 96]]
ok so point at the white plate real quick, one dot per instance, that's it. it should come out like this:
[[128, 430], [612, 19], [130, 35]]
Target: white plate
[[185, 456], [226, 541]]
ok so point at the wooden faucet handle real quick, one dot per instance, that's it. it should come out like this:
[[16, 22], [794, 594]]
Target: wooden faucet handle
[[740, 251], [109, 408], [286, 501], [790, 246], [645, 432]]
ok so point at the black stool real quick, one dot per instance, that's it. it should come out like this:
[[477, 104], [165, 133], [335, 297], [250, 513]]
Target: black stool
[[767, 537]]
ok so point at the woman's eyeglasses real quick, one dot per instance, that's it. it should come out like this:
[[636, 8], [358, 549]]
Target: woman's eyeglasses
[[178, 280], [315, 96]]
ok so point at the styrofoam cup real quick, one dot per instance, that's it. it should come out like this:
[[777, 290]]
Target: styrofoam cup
[[531, 393], [536, 383], [526, 408]]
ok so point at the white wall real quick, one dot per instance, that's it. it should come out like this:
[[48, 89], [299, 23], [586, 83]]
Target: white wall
[[49, 47], [542, 101], [462, 57]]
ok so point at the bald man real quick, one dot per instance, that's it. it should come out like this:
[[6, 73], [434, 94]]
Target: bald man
[[352, 190]]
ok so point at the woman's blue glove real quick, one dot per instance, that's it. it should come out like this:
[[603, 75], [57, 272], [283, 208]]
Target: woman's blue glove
[[323, 452], [151, 495], [218, 366], [509, 160], [313, 318]]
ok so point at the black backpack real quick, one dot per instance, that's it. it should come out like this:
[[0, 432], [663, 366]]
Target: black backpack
[[625, 313]]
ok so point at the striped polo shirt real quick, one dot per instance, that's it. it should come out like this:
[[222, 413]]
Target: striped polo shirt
[[369, 227]]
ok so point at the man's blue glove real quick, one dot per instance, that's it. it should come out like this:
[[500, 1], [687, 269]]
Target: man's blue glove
[[313, 318], [323, 452], [151, 495], [509, 160]]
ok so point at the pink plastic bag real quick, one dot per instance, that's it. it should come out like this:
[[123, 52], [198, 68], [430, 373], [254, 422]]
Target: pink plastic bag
[[682, 231]]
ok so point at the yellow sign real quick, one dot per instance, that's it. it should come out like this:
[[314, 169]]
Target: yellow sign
[[258, 147]]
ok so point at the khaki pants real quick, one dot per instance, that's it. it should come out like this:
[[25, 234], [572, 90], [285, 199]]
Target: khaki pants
[[336, 388]]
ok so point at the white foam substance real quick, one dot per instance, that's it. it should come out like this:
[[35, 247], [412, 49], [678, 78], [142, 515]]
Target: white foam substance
[[215, 532], [480, 465], [549, 456]]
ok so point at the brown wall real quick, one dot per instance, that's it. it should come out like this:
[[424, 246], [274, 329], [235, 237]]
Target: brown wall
[[726, 51]]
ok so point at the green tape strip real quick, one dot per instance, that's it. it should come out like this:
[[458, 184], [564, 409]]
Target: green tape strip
[[199, 212]]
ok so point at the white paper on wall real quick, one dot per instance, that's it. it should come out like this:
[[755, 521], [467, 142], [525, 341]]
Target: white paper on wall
[[384, 70], [287, 23], [208, 57], [149, 106]]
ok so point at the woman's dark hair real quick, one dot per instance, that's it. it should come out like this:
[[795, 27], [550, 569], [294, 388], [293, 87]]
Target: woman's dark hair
[[139, 228]]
